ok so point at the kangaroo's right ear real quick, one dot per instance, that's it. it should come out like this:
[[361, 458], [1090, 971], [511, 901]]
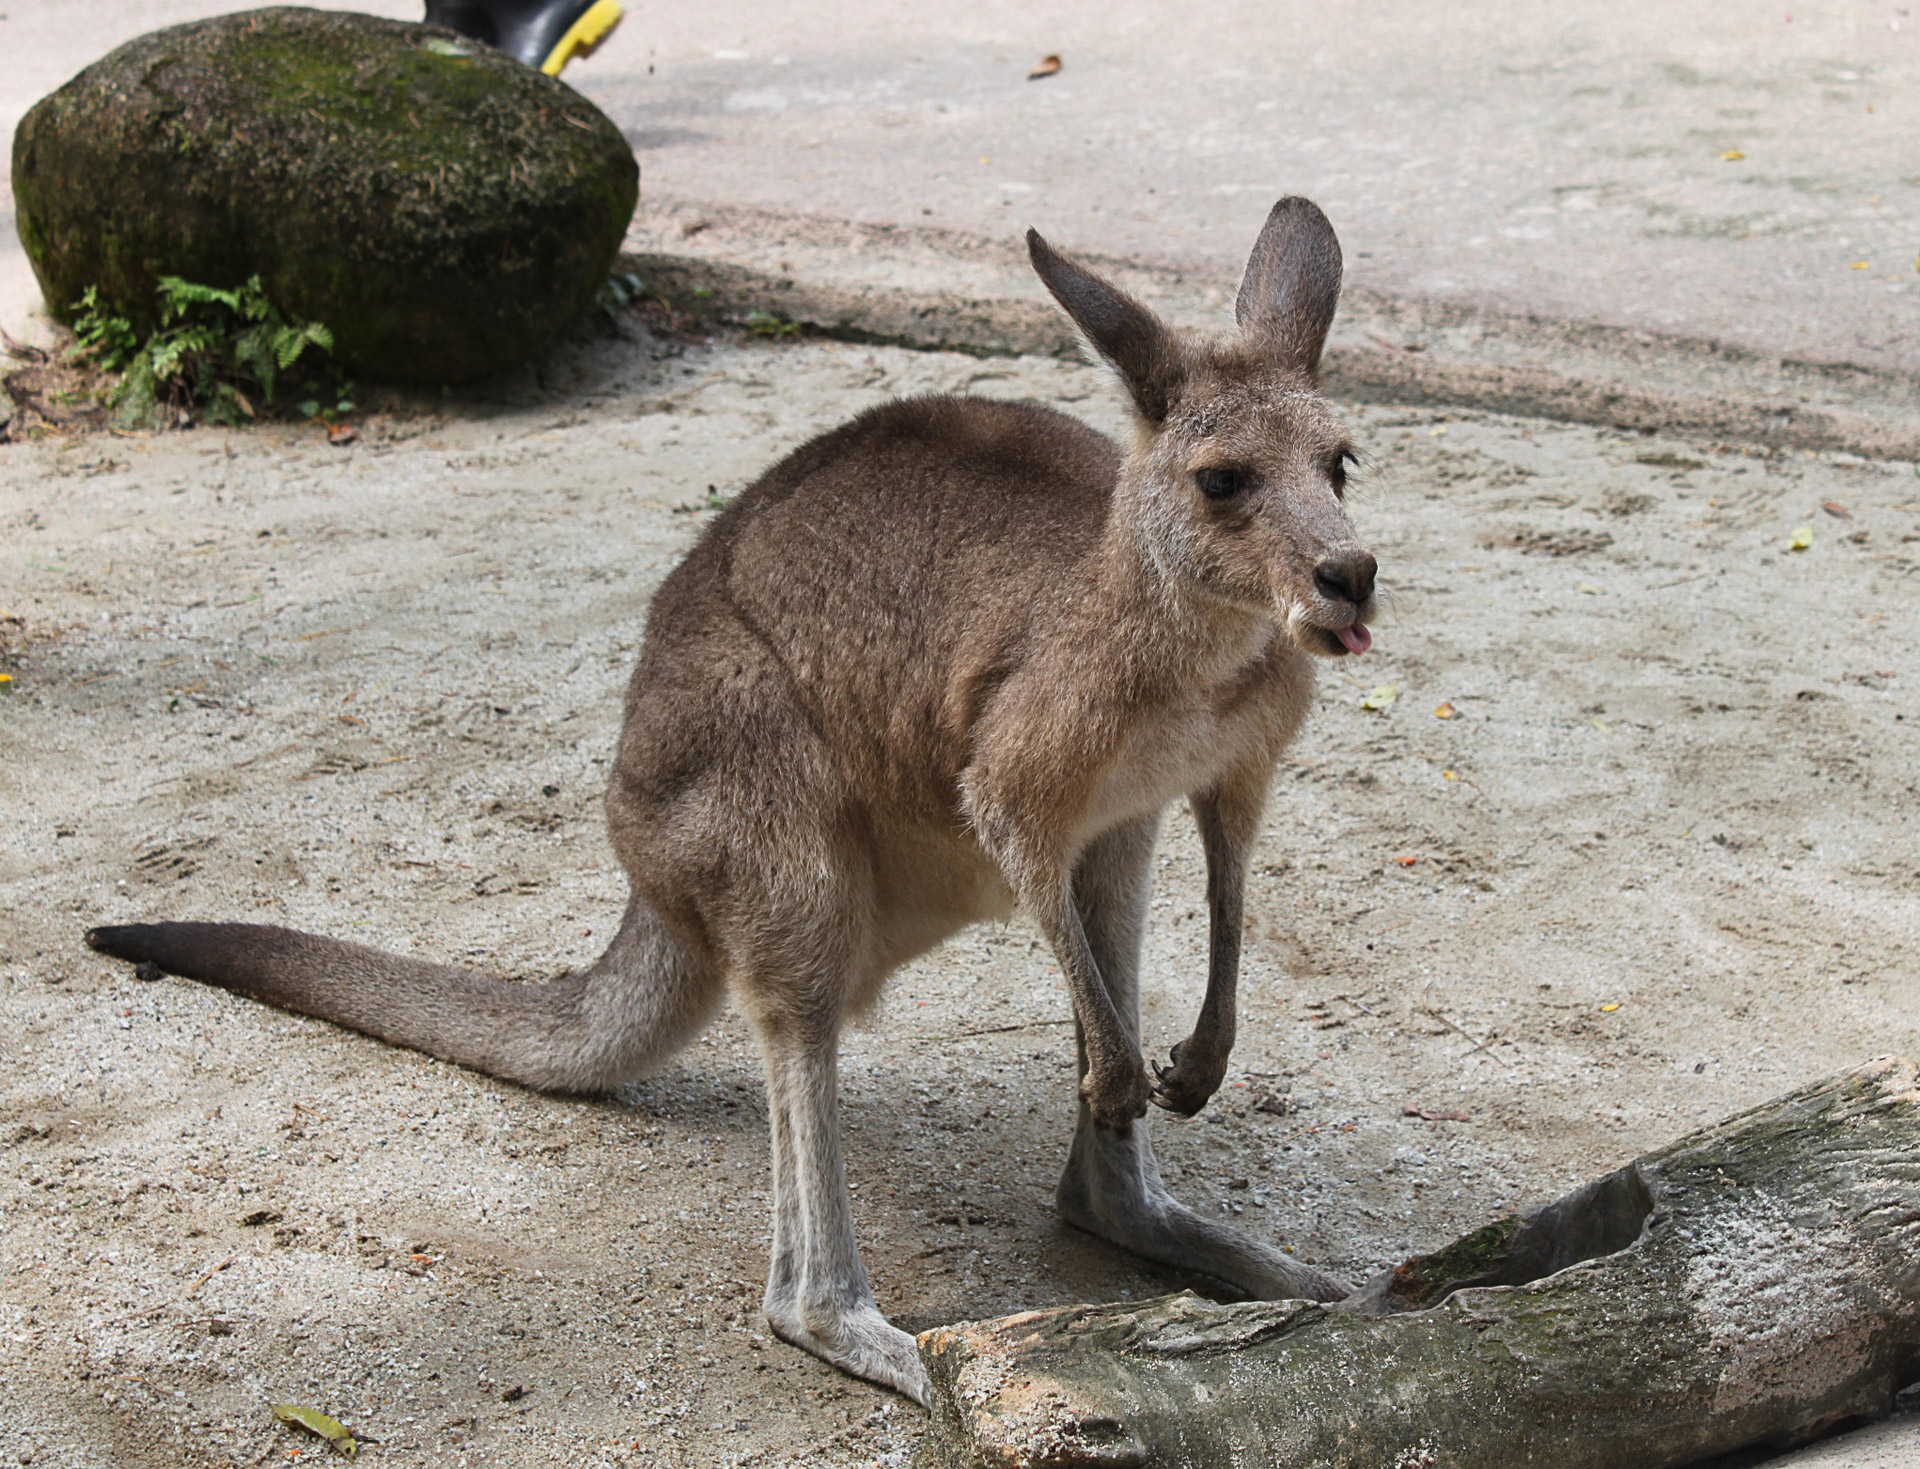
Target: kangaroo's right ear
[[1137, 343]]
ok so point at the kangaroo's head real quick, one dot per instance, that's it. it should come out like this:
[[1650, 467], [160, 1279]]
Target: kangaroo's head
[[1235, 484]]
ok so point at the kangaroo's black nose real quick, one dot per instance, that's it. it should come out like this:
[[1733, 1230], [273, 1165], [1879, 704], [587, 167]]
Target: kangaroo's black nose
[[1346, 576]]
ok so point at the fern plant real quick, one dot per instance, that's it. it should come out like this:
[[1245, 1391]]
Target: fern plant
[[108, 340], [217, 351]]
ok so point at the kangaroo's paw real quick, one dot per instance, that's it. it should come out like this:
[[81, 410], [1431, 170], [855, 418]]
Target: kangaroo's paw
[[856, 1339], [1116, 1093], [1190, 1079]]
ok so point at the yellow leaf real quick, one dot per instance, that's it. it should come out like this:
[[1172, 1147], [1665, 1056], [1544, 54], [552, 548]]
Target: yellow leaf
[[1802, 538], [1381, 697], [1448, 775], [1609, 1009], [1590, 589], [1603, 726], [1859, 265], [1732, 155], [331, 1429], [1434, 433], [1445, 711]]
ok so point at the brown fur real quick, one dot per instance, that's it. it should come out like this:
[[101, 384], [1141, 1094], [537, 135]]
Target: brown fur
[[952, 658]]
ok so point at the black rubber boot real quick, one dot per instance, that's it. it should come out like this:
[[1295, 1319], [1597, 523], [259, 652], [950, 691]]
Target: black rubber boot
[[546, 34]]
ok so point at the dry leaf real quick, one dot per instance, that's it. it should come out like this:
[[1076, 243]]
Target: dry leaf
[[341, 434], [331, 1429], [1732, 155], [1836, 509], [1445, 711], [1406, 861], [1426, 1116], [1609, 1009], [1802, 538], [1047, 67]]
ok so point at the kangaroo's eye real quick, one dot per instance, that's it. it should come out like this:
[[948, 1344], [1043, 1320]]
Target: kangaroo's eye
[[1219, 484], [1337, 469]]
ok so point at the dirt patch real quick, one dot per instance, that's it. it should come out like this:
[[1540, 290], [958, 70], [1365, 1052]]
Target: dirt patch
[[1536, 542], [1654, 868], [50, 397]]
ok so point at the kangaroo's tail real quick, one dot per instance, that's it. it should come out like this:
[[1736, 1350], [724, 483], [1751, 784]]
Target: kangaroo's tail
[[644, 998]]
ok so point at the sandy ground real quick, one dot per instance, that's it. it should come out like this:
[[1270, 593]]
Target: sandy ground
[[1659, 865]]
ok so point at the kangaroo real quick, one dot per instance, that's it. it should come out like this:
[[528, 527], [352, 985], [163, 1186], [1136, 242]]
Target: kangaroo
[[950, 659]]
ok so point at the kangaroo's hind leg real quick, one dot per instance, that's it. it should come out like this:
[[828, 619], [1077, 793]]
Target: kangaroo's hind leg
[[794, 985], [1111, 1186], [818, 1297]]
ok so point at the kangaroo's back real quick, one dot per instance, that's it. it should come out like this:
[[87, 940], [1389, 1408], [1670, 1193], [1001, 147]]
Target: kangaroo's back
[[880, 572], [928, 511]]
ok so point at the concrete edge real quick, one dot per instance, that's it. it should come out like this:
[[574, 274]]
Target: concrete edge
[[1005, 325]]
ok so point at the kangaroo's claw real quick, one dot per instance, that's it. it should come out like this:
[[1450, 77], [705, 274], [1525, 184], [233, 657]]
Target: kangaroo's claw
[[1183, 1086]]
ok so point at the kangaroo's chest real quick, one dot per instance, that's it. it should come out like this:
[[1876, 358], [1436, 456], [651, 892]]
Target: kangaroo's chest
[[1185, 746]]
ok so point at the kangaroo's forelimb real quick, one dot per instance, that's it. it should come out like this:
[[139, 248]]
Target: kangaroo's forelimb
[[1113, 1084], [1229, 820]]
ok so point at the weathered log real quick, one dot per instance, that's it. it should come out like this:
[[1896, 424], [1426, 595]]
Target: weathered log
[[1752, 1285]]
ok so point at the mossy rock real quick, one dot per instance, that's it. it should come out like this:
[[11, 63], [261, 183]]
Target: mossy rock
[[442, 208]]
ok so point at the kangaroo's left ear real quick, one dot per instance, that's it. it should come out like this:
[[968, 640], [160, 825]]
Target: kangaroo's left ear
[[1292, 284]]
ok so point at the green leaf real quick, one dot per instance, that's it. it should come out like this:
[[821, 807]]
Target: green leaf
[[331, 1429], [1382, 697], [108, 339], [222, 351]]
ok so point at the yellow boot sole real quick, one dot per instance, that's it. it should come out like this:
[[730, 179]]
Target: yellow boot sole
[[584, 35]]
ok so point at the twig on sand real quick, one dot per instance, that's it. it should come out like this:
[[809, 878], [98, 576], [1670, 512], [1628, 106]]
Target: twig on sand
[[208, 1276], [1427, 1007]]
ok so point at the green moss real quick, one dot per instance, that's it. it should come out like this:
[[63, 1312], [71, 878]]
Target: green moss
[[1469, 1258]]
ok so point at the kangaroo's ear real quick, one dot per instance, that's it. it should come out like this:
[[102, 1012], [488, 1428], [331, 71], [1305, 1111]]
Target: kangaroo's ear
[[1292, 283], [1137, 343]]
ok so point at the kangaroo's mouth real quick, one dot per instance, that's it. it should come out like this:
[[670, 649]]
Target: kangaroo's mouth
[[1327, 642], [1336, 642]]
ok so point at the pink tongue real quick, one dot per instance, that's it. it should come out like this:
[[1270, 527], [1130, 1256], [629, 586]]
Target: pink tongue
[[1357, 638]]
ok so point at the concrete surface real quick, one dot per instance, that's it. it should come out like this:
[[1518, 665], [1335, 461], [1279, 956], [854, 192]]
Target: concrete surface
[[1659, 866], [1561, 160]]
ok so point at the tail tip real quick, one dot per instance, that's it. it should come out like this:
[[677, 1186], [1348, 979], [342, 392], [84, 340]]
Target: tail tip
[[127, 941], [107, 940]]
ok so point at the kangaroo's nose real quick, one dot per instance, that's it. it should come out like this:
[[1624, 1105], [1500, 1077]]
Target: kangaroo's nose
[[1346, 576]]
